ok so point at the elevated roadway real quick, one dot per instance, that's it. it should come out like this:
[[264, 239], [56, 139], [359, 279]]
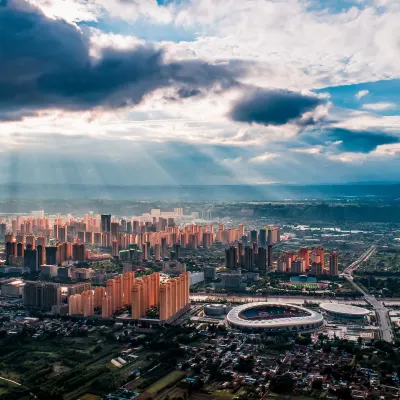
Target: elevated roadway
[[382, 313]]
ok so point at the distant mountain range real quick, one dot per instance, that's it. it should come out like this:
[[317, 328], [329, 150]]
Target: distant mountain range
[[273, 192]]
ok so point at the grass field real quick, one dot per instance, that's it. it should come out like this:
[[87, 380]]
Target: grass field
[[222, 393], [304, 285], [89, 396], [171, 378]]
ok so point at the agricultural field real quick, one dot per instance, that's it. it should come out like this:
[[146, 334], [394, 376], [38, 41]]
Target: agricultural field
[[64, 368], [166, 381]]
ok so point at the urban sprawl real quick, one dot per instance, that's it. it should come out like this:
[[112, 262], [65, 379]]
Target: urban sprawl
[[168, 305]]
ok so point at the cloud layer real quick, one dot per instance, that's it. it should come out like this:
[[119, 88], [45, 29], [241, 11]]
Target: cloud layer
[[46, 63], [249, 91]]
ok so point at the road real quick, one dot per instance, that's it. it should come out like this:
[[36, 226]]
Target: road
[[17, 384], [10, 380], [207, 298], [364, 257], [382, 313]]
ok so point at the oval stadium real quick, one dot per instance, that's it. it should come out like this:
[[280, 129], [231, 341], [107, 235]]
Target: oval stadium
[[344, 311], [275, 318]]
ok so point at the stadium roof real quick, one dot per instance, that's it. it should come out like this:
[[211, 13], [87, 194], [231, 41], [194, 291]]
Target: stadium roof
[[344, 309], [234, 318]]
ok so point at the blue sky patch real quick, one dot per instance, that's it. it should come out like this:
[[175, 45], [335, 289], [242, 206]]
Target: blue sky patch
[[385, 91]]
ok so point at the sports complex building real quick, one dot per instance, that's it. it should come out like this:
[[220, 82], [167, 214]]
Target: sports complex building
[[344, 311], [275, 318]]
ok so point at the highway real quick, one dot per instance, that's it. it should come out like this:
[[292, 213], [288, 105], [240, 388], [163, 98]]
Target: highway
[[364, 257], [382, 313]]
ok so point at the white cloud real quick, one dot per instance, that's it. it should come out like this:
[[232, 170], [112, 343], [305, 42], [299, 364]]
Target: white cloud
[[361, 94], [348, 157], [70, 10], [379, 106], [309, 150], [230, 161], [363, 120], [387, 150], [382, 152], [263, 158], [358, 44]]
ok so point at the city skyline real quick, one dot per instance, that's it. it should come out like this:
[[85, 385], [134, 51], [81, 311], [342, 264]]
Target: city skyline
[[199, 92]]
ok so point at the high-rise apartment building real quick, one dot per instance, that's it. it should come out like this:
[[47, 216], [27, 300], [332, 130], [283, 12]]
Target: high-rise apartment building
[[41, 241], [207, 240], [262, 260], [75, 304], [31, 259], [51, 255], [20, 249], [78, 288], [3, 230], [210, 272], [78, 252], [42, 295], [262, 237], [253, 236], [99, 293], [136, 300], [231, 257], [119, 292], [62, 237], [269, 258], [114, 229], [318, 256], [87, 303], [30, 241], [111, 292], [174, 295], [248, 258], [41, 254], [115, 248], [317, 268], [298, 266], [106, 222], [106, 307], [333, 263], [304, 254], [128, 280], [157, 251]]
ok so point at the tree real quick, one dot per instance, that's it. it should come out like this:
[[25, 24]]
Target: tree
[[317, 385], [282, 384], [97, 349], [344, 394]]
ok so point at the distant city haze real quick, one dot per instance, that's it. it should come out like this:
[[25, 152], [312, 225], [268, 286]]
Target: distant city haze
[[271, 192]]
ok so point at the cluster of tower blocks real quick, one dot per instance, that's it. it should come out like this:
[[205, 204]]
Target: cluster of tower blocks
[[141, 294]]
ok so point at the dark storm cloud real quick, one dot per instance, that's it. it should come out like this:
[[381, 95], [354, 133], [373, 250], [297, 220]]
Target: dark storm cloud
[[273, 107], [45, 63], [186, 93], [360, 141], [349, 140]]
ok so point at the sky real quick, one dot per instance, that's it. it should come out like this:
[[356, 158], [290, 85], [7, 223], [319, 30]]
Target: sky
[[183, 92]]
